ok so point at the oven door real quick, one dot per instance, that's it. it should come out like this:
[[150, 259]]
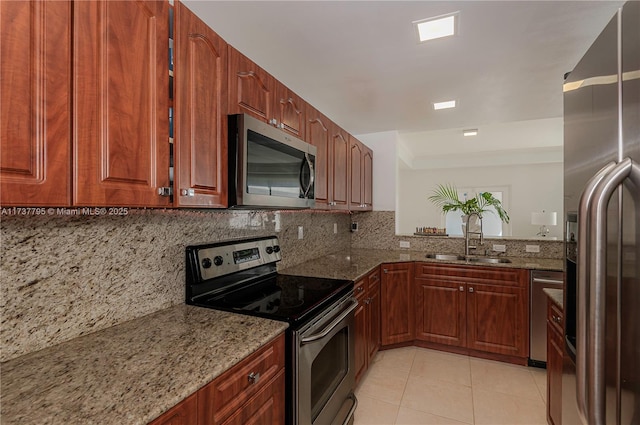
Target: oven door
[[326, 368]]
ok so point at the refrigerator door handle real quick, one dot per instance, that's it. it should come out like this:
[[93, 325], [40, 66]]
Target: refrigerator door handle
[[596, 394], [584, 221]]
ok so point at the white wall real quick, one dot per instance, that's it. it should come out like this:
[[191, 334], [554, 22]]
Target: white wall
[[532, 188]]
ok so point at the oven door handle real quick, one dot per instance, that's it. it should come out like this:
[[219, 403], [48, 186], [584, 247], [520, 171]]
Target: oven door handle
[[331, 326], [353, 398]]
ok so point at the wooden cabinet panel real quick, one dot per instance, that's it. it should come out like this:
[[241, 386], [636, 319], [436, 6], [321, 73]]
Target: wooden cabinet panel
[[200, 113], [184, 413], [373, 315], [319, 135], [496, 320], [555, 355], [397, 309], [290, 111], [355, 174], [121, 102], [220, 399], [251, 88], [266, 407], [441, 311], [367, 179], [339, 193], [35, 103], [361, 340]]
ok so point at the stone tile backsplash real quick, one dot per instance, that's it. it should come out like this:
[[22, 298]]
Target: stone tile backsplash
[[66, 276]]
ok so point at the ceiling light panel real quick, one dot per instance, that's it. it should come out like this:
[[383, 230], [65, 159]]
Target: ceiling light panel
[[444, 105], [470, 132], [437, 27]]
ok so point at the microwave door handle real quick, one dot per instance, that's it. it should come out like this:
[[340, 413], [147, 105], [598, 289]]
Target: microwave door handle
[[311, 175], [584, 221], [597, 286]]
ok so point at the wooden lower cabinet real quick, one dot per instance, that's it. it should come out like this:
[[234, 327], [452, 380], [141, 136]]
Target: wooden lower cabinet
[[367, 321], [397, 312], [555, 353], [251, 392], [479, 309]]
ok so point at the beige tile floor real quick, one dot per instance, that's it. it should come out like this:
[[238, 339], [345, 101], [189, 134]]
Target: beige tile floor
[[418, 386]]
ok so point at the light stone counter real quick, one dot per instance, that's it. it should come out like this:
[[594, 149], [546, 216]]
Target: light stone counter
[[355, 263], [556, 296], [129, 373]]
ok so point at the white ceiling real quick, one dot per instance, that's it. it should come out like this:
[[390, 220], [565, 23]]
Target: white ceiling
[[359, 61]]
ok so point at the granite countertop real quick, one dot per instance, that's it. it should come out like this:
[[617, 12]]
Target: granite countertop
[[130, 373], [355, 263], [556, 296]]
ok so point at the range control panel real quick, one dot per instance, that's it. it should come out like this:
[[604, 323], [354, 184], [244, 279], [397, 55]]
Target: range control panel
[[219, 259]]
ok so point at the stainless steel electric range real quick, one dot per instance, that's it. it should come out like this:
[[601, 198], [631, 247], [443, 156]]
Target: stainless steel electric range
[[240, 276]]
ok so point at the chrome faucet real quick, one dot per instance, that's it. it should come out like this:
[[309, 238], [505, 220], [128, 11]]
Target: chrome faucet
[[467, 247]]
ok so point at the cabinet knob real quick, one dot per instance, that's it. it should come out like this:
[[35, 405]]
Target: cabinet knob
[[461, 288], [165, 191], [360, 288], [187, 192], [367, 301], [254, 377], [385, 270], [470, 289]]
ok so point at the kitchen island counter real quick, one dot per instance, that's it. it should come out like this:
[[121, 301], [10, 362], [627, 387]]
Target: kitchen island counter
[[355, 263], [130, 373]]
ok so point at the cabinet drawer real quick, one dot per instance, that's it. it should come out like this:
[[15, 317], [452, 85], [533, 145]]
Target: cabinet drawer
[[266, 407], [492, 275], [374, 279], [555, 317], [220, 398], [359, 289]]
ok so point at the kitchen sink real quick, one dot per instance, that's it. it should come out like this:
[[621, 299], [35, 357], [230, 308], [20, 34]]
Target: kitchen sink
[[488, 260], [448, 257]]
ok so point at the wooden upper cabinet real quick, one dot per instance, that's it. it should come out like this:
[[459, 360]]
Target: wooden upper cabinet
[[290, 111], [200, 113], [319, 135], [355, 174], [121, 102], [35, 75], [251, 88], [367, 179], [339, 191], [361, 175]]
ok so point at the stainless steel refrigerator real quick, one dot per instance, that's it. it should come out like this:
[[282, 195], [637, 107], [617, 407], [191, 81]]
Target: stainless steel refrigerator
[[601, 372]]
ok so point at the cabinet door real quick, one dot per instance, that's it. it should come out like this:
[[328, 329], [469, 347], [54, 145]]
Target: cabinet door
[[200, 113], [35, 103], [251, 88], [361, 348], [355, 174], [497, 319], [440, 311], [367, 179], [121, 102], [290, 111], [339, 193], [397, 309], [184, 413], [319, 135], [373, 316]]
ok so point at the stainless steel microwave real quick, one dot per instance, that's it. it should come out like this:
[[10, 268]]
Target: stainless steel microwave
[[267, 167]]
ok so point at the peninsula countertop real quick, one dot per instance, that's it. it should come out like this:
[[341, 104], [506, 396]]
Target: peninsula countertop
[[130, 373], [355, 263]]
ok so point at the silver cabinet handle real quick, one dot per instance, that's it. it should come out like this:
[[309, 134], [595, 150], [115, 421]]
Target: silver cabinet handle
[[254, 377], [582, 279], [596, 394]]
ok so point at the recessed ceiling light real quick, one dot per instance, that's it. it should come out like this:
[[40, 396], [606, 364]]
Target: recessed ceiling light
[[444, 105], [470, 132], [437, 27]]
